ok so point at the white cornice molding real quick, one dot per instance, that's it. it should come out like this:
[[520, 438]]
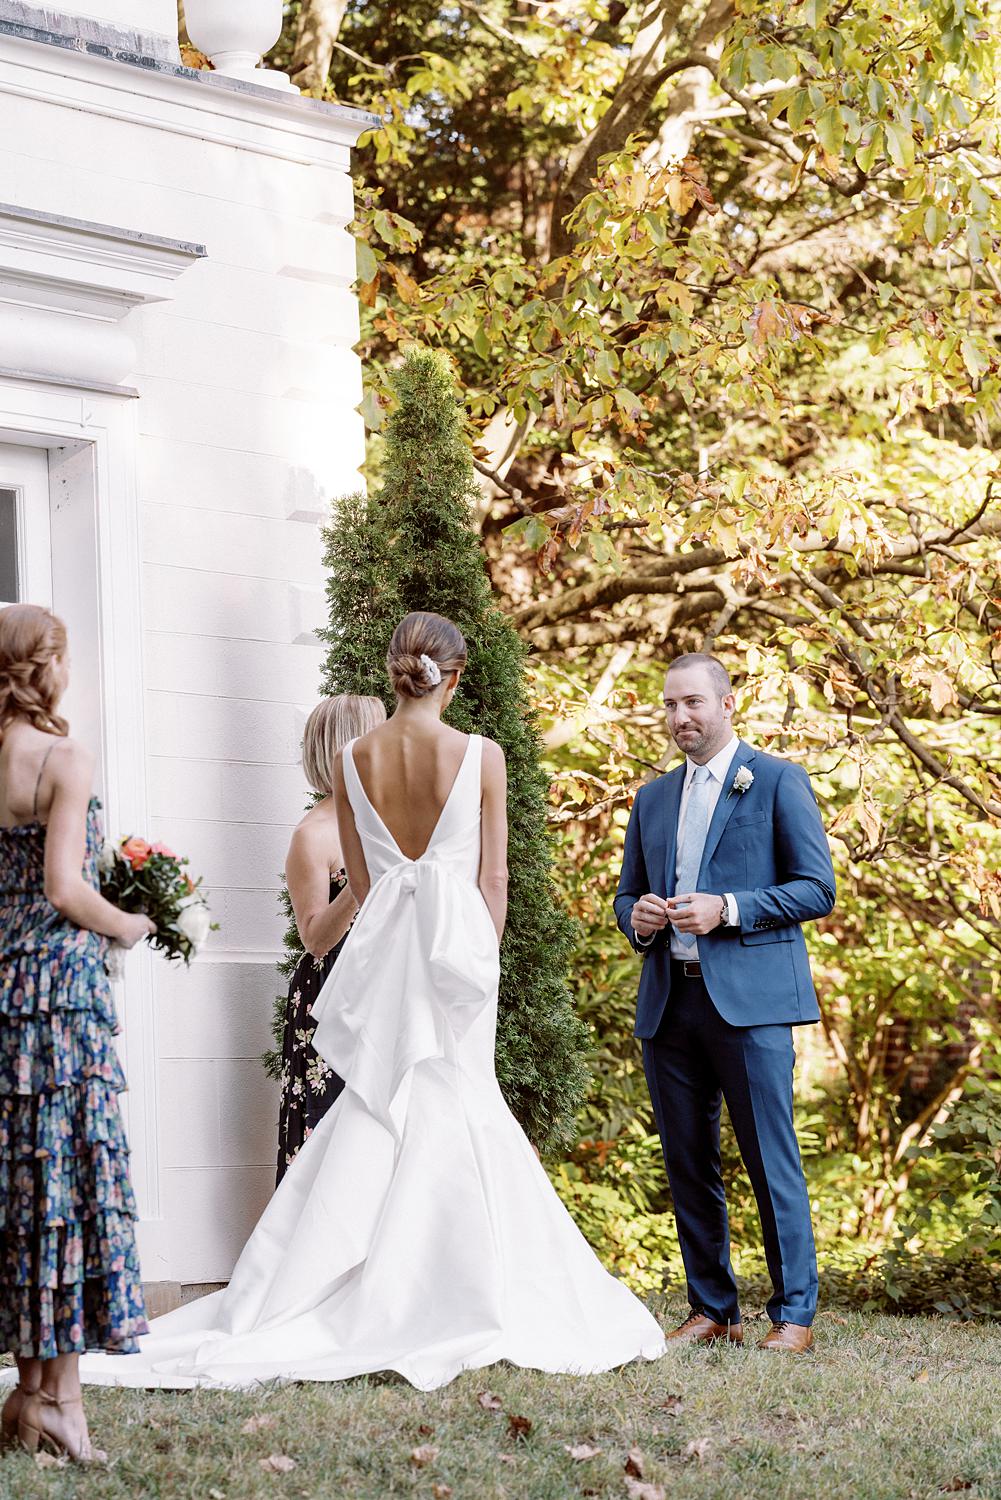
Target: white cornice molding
[[67, 284], [111, 267], [182, 101]]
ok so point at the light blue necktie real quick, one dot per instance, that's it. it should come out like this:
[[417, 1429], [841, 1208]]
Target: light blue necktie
[[693, 840]]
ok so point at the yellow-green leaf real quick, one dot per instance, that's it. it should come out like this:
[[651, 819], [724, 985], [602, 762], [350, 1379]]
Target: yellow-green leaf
[[368, 266], [899, 144]]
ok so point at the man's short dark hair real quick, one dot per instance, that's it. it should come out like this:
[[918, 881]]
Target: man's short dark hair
[[720, 676]]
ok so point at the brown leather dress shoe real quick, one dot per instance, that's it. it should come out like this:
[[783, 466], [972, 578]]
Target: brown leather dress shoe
[[700, 1329], [788, 1338]]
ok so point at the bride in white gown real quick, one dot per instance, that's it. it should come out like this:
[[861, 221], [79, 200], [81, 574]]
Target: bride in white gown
[[416, 1230]]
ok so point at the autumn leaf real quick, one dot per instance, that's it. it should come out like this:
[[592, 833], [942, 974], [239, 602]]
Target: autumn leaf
[[548, 554], [696, 1449], [871, 819], [921, 1378], [425, 1454], [441, 1491], [277, 1463], [942, 692], [50, 1461], [680, 193], [581, 1452], [258, 1424], [634, 1463], [673, 1405], [637, 1489], [765, 322], [519, 1427]]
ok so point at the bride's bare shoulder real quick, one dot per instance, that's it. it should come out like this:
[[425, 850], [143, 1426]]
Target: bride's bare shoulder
[[493, 758]]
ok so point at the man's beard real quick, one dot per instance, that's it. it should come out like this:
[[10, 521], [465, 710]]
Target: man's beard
[[694, 744]]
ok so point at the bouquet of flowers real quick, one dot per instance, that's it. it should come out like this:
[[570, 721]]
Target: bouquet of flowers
[[151, 879]]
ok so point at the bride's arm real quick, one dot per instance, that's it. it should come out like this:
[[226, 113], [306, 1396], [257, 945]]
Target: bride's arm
[[493, 834], [354, 855]]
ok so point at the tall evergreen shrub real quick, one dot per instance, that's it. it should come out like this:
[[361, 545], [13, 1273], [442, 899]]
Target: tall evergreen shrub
[[410, 546]]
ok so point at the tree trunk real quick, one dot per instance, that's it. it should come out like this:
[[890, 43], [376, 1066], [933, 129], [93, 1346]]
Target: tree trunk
[[319, 26]]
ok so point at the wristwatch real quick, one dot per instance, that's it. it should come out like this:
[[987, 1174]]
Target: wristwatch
[[724, 915]]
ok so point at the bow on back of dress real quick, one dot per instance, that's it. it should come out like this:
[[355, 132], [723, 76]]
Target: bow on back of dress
[[421, 962]]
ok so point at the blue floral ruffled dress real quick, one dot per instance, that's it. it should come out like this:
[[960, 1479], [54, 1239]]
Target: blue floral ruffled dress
[[69, 1272]]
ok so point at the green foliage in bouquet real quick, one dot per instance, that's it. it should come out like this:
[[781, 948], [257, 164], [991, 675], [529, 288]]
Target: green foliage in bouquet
[[151, 880], [411, 545]]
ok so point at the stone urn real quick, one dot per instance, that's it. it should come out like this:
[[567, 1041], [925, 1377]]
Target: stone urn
[[234, 34]]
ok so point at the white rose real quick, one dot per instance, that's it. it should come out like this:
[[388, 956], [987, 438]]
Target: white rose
[[194, 923], [743, 779], [106, 858]]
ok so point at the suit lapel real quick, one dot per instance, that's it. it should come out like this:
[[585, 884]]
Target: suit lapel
[[674, 783], [726, 804]]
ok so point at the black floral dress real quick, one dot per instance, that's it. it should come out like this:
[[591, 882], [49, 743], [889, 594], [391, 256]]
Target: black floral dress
[[69, 1273], [309, 1086]]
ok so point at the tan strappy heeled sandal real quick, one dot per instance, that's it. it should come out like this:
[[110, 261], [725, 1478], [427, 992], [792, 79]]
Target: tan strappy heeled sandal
[[33, 1433]]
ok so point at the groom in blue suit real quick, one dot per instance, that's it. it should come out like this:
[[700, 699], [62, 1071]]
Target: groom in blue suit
[[725, 858]]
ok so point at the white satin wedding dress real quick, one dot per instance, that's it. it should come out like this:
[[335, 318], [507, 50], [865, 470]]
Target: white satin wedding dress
[[416, 1230]]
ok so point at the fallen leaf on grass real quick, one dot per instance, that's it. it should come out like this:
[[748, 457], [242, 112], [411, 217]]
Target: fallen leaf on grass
[[441, 1491], [49, 1461], [634, 1463], [637, 1490], [506, 1458], [425, 1454], [673, 1405], [489, 1401], [216, 1495], [581, 1451], [519, 1427], [921, 1378], [277, 1463], [258, 1424], [425, 1431], [953, 1486], [696, 1449]]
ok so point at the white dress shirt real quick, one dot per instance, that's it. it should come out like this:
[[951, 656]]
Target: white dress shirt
[[718, 769]]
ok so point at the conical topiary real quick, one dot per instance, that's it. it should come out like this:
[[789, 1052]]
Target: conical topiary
[[412, 546]]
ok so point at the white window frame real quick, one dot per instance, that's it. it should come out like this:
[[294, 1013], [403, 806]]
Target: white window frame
[[24, 468]]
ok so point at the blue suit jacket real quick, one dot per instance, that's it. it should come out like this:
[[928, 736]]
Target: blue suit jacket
[[767, 846]]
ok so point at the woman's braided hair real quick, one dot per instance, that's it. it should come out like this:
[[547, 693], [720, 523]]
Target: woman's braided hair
[[31, 641]]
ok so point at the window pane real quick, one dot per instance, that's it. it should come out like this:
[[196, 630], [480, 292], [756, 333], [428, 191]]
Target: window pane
[[8, 546]]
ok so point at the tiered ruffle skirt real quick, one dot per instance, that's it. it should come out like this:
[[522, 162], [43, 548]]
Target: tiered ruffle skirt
[[69, 1271]]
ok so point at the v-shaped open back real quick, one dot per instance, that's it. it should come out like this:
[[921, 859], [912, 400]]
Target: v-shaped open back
[[357, 795]]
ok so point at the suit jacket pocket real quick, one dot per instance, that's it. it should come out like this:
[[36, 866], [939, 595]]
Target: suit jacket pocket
[[748, 819], [769, 935]]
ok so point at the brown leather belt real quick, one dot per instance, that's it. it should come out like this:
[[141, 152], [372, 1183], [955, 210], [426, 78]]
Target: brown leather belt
[[690, 967]]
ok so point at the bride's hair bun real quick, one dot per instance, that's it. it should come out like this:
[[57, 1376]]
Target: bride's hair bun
[[421, 643]]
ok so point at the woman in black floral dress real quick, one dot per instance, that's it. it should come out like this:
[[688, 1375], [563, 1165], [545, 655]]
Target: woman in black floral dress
[[324, 910], [69, 1273]]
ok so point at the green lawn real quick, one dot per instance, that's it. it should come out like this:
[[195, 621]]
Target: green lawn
[[885, 1409]]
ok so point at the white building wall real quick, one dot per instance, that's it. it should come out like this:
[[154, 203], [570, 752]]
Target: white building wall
[[246, 427]]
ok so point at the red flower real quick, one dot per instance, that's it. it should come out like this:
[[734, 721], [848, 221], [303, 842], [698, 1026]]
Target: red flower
[[136, 851]]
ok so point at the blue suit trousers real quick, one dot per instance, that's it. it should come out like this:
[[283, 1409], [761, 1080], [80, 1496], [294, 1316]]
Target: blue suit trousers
[[694, 1061]]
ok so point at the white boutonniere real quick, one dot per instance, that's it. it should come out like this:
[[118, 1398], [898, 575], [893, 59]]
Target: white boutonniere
[[743, 779]]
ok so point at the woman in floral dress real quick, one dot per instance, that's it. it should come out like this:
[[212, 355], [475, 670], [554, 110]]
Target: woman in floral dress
[[324, 909], [69, 1273]]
